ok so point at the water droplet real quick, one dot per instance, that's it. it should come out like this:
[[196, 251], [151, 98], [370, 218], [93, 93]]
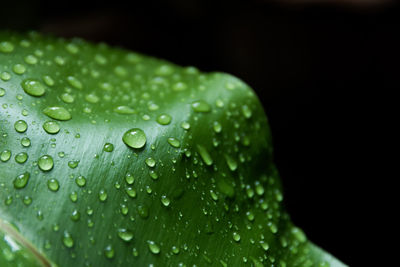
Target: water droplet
[[21, 180], [129, 178], [264, 245], [73, 164], [236, 236], [57, 113], [150, 162], [201, 106], [74, 82], [124, 110], [214, 196], [185, 125], [153, 175], [19, 69], [73, 196], [67, 98], [25, 142], [27, 200], [2, 91], [299, 234], [153, 247], [72, 48], [175, 250], [164, 119], [67, 240], [5, 76], [125, 234], [102, 195], [51, 127], [31, 59], [5, 155], [45, 163], [179, 86], [21, 157], [217, 127], [131, 192], [108, 147], [20, 126], [231, 162], [246, 111], [250, 216], [206, 157], [143, 211], [53, 185], [165, 201], [134, 138], [75, 215], [259, 188], [48, 80], [174, 142], [6, 47]]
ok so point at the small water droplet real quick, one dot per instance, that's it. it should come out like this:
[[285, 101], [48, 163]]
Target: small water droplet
[[165, 201], [108, 147], [246, 111], [143, 211], [19, 69], [51, 127], [236, 236], [75, 215], [131, 192], [31, 59], [185, 125], [5, 155], [125, 234], [73, 196], [20, 126], [45, 163], [25, 142], [231, 162], [206, 157], [67, 240], [74, 82], [150, 162], [124, 110], [102, 195], [174, 142], [153, 247], [53, 185], [217, 127], [57, 113], [73, 164], [201, 106], [129, 179], [164, 119], [134, 138], [21, 157], [21, 180], [67, 98]]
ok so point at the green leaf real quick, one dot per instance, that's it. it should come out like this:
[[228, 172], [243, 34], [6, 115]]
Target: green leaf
[[112, 158]]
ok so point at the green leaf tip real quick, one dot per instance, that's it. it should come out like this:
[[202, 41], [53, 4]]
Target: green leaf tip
[[145, 163]]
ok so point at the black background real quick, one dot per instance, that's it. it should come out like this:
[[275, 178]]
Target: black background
[[324, 73]]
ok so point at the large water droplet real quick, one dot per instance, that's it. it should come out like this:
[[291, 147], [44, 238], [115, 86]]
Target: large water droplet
[[134, 138], [131, 192], [45, 163], [74, 82], [150, 162], [25, 142], [174, 142], [236, 236], [33, 87], [80, 181], [108, 147], [231, 162], [143, 211], [103, 195], [57, 113], [165, 201], [129, 179]]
